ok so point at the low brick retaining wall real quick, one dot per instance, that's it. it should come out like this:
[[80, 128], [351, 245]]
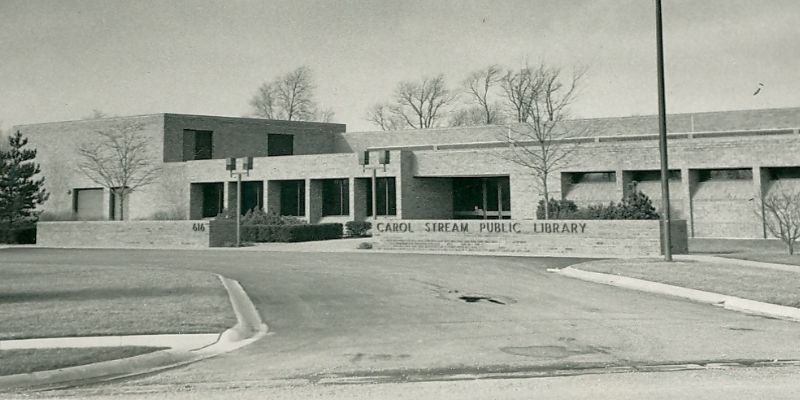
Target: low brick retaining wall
[[583, 238], [139, 234]]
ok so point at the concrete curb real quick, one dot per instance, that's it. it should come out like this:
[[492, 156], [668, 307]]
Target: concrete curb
[[732, 303], [248, 329], [185, 342]]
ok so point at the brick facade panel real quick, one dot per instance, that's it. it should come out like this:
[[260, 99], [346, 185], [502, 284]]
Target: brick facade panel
[[113, 234]]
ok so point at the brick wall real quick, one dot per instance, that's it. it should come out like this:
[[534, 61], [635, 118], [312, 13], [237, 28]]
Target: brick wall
[[531, 238], [422, 175], [111, 234], [242, 137], [725, 208], [615, 126], [57, 145], [221, 233]]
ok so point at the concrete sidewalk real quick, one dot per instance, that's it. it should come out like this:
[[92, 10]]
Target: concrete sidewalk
[[728, 302]]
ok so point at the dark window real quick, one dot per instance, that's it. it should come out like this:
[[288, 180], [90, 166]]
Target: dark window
[[197, 145], [725, 174], [386, 196], [203, 145], [212, 199], [586, 177], [784, 173], [645, 176], [467, 194], [115, 210], [280, 145], [335, 197], [252, 196], [479, 197], [293, 198]]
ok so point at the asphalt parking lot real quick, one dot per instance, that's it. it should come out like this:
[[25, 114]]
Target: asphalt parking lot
[[390, 319]]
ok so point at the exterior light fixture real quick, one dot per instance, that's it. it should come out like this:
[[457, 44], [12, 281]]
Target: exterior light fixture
[[383, 157], [247, 163], [230, 166], [363, 158]]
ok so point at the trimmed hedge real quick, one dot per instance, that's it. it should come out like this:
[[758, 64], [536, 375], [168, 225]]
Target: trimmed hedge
[[290, 233], [358, 228], [18, 234]]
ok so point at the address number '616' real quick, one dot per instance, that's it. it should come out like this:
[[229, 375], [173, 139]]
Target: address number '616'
[[199, 227]]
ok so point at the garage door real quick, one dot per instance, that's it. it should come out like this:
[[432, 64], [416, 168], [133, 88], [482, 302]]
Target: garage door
[[89, 204]]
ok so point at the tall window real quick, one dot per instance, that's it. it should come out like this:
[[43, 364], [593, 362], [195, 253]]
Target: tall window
[[197, 145], [280, 145], [386, 196], [293, 198], [212, 199], [335, 197]]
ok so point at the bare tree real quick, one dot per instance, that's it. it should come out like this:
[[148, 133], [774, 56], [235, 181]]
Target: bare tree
[[264, 102], [780, 211], [470, 116], [521, 90], [381, 115], [295, 94], [324, 115], [418, 104], [288, 97], [120, 160], [479, 86], [541, 142]]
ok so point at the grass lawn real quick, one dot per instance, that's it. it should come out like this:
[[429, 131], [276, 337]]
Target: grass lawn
[[33, 360], [771, 286], [771, 251], [68, 300]]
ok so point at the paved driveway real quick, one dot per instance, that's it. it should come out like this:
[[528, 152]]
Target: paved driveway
[[387, 318]]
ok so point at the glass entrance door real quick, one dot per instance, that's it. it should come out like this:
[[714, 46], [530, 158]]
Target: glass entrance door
[[482, 198]]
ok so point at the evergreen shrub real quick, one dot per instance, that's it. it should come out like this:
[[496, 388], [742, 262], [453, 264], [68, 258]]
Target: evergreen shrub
[[358, 228]]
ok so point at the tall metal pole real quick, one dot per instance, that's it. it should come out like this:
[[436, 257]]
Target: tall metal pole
[[374, 194], [238, 209], [662, 141]]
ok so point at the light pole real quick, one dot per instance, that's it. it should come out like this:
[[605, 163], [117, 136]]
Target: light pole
[[662, 140], [247, 165]]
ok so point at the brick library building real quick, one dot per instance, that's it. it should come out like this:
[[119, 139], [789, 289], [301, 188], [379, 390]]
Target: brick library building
[[720, 164]]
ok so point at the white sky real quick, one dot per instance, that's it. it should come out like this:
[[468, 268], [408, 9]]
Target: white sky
[[60, 59]]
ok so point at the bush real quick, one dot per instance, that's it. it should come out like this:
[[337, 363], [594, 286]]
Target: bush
[[558, 209], [291, 233], [226, 214], [358, 228], [365, 246], [260, 217], [22, 233], [636, 205]]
